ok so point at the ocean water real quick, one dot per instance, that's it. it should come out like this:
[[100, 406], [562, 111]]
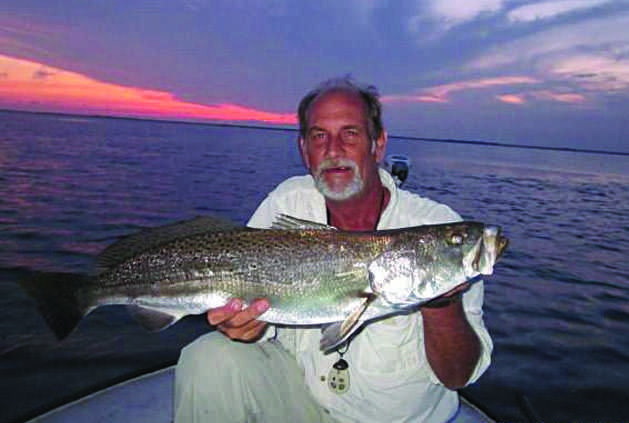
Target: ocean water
[[557, 306]]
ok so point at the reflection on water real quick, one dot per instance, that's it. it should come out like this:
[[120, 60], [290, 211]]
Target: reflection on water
[[556, 306]]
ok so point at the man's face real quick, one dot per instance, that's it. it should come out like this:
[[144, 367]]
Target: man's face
[[337, 147]]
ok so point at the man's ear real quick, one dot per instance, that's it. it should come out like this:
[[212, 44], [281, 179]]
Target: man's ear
[[302, 151], [380, 146]]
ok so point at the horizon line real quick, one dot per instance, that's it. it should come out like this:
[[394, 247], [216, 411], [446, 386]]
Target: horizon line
[[295, 129]]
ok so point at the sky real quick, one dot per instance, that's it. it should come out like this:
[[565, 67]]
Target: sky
[[551, 73]]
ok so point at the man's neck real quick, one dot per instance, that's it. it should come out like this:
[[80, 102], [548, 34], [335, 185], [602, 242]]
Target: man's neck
[[361, 213]]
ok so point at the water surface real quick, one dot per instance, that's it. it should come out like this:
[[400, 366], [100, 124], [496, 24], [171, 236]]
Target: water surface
[[556, 306]]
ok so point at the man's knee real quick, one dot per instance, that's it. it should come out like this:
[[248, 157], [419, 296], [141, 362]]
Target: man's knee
[[209, 355], [231, 381], [207, 380]]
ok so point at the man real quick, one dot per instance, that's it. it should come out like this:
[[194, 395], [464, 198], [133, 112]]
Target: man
[[403, 368]]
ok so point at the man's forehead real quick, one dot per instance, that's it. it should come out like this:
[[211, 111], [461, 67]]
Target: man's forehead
[[337, 102], [339, 92]]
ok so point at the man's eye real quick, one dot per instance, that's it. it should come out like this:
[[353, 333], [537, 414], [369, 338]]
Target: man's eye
[[318, 136], [351, 135]]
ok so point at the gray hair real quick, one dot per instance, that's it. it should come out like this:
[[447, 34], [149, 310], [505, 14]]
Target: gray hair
[[369, 94]]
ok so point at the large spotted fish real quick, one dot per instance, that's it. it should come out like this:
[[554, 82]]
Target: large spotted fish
[[312, 274]]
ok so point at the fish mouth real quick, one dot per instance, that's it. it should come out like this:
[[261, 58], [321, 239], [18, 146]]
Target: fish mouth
[[502, 243], [486, 252]]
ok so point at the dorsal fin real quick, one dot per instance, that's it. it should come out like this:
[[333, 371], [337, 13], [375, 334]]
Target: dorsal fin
[[284, 221], [131, 245]]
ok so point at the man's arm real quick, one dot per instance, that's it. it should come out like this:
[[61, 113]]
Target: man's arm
[[452, 347]]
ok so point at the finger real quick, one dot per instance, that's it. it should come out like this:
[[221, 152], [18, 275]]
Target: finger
[[220, 315], [247, 315], [254, 332], [248, 332]]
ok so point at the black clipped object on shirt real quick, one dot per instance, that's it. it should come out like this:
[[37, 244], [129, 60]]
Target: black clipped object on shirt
[[341, 365]]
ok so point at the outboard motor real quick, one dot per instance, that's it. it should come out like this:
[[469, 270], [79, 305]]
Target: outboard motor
[[399, 170], [398, 166]]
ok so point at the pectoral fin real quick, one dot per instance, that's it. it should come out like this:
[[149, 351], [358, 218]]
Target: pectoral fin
[[337, 333], [152, 319]]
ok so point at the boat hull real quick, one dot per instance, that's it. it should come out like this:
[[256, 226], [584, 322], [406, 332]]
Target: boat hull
[[149, 399]]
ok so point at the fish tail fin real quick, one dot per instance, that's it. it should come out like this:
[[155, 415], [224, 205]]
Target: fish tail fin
[[57, 297]]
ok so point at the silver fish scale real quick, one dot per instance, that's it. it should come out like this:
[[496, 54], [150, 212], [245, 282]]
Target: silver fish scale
[[308, 276]]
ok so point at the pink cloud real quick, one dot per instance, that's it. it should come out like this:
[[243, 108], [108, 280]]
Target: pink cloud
[[30, 85], [411, 98], [542, 95], [511, 98], [572, 98], [441, 93]]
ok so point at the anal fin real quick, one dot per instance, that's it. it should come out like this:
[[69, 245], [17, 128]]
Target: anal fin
[[152, 319]]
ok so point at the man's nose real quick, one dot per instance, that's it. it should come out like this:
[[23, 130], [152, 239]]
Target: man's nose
[[336, 146]]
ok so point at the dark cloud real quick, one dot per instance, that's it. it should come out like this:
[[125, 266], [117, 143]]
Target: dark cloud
[[42, 74]]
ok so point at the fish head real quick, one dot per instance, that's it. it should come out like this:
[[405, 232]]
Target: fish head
[[454, 254], [427, 262], [467, 249]]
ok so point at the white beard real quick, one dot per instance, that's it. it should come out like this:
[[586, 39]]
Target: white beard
[[354, 187]]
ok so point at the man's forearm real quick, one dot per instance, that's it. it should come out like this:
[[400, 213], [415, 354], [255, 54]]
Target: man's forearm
[[452, 346]]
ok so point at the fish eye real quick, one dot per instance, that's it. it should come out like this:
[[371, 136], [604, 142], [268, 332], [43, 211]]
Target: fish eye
[[456, 238]]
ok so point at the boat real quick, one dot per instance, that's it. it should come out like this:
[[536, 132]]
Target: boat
[[399, 166], [149, 399]]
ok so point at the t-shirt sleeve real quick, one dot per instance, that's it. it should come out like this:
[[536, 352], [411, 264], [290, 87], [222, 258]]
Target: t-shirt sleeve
[[264, 214]]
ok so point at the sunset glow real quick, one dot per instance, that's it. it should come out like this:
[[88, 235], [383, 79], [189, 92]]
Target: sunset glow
[[441, 93], [555, 72], [28, 85], [542, 95], [560, 97], [511, 99]]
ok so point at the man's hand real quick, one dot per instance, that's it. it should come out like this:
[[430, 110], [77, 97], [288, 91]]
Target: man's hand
[[239, 324]]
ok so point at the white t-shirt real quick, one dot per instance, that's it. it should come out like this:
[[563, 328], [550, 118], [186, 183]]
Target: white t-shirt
[[390, 377]]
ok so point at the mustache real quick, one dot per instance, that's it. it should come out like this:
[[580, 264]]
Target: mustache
[[334, 163]]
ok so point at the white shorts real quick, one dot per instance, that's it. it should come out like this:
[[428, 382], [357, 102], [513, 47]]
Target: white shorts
[[219, 380]]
